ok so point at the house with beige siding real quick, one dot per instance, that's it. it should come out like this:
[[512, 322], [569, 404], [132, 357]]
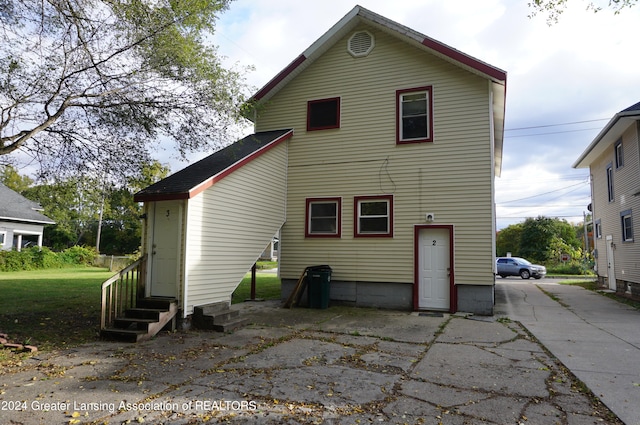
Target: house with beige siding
[[375, 153], [613, 159]]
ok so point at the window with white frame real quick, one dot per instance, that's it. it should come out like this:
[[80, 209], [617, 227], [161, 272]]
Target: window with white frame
[[627, 226], [373, 216], [2, 237], [619, 154], [414, 115], [323, 217], [610, 182], [598, 230]]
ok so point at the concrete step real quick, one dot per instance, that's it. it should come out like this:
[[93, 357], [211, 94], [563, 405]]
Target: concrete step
[[231, 325], [211, 309], [218, 317]]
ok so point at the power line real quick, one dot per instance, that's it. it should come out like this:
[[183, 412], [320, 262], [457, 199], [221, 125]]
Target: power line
[[541, 194], [552, 132], [555, 125]]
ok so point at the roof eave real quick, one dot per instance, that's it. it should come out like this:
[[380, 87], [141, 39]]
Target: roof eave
[[199, 188], [611, 132], [349, 21], [27, 220]]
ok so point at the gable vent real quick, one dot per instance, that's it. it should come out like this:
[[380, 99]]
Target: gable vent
[[360, 43]]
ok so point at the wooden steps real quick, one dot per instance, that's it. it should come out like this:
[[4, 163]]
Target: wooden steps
[[144, 321], [218, 317]]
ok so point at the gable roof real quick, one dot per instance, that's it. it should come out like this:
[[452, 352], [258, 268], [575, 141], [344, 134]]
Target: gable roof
[[200, 175], [15, 207], [610, 134], [359, 15]]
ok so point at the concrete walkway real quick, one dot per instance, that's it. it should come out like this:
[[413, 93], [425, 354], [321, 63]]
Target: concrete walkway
[[597, 338], [341, 365]]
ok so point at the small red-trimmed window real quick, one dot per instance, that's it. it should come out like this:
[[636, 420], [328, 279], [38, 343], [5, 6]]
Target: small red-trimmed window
[[414, 115], [323, 114], [323, 217], [373, 216]]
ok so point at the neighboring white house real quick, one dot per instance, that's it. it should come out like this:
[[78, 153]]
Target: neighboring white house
[[384, 171], [21, 222], [613, 159]]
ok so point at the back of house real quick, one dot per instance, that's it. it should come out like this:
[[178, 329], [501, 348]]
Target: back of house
[[390, 173]]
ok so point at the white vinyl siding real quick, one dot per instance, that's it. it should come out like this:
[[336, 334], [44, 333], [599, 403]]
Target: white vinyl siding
[[626, 185], [230, 224], [451, 177]]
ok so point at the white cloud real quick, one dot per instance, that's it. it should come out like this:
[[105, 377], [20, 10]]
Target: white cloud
[[582, 68]]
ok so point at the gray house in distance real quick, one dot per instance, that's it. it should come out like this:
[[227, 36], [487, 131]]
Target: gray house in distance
[[21, 222], [613, 159]]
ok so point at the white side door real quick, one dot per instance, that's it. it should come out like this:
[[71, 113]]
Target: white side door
[[434, 269], [165, 247], [611, 274]]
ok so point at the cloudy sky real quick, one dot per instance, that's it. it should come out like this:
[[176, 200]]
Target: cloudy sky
[[565, 81]]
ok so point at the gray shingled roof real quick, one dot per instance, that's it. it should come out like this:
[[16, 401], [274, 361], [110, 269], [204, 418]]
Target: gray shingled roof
[[635, 107], [179, 185], [15, 207]]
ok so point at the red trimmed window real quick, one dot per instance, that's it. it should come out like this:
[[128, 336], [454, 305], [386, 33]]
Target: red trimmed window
[[323, 218], [414, 120], [323, 114], [373, 216]]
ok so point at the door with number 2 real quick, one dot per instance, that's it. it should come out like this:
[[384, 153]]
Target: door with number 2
[[434, 268]]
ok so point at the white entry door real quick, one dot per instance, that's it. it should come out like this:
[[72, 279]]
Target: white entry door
[[164, 249], [611, 274], [434, 269]]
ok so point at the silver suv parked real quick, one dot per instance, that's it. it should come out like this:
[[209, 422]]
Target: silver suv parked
[[516, 266]]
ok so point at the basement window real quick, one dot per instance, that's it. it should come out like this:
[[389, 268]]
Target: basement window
[[323, 114]]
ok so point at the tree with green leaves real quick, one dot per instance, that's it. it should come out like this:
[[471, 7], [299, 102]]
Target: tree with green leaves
[[92, 84], [554, 8], [508, 240], [543, 239], [10, 177], [75, 204]]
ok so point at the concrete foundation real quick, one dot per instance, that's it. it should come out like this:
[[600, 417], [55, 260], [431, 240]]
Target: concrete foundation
[[476, 299], [397, 296]]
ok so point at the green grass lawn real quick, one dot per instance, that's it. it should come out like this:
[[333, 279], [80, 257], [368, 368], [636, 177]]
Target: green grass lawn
[[53, 308], [267, 287], [60, 308]]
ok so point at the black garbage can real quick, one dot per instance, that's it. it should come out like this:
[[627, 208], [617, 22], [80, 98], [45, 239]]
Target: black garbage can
[[318, 280]]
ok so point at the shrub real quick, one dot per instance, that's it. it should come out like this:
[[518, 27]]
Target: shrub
[[34, 258], [571, 268], [80, 255], [11, 261]]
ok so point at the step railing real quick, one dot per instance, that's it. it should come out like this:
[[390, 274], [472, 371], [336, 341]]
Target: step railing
[[121, 291]]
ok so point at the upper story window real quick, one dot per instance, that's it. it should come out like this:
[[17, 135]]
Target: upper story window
[[610, 182], [619, 154], [627, 226], [373, 216], [414, 121], [323, 217], [323, 114]]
